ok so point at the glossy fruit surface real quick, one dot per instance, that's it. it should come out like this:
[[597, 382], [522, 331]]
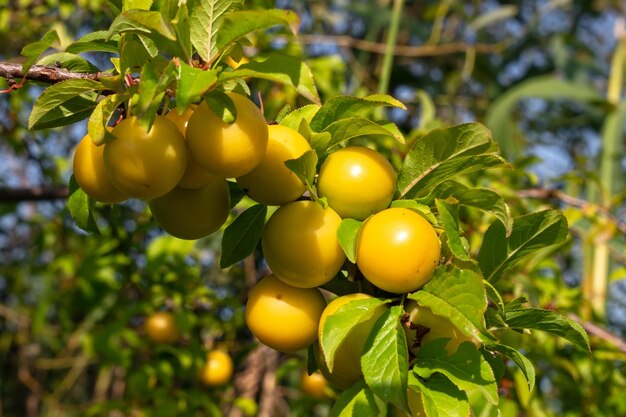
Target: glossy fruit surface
[[347, 361], [283, 317], [314, 385], [357, 182], [195, 176], [145, 164], [218, 368], [271, 182], [416, 405], [193, 213], [160, 327], [228, 150], [300, 244], [397, 250], [90, 174]]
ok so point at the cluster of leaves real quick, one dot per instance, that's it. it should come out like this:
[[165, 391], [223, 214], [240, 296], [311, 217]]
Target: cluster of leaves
[[177, 52]]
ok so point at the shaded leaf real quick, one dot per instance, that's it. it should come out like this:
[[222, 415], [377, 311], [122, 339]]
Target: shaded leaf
[[355, 127], [522, 361], [98, 41], [80, 206], [357, 401], [304, 167], [466, 368], [347, 235], [530, 232], [192, 84], [440, 397], [33, 51], [68, 61], [99, 119], [242, 235], [449, 215], [384, 361]]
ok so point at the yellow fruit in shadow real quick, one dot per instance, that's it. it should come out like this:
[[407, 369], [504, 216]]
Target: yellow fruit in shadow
[[271, 182], [397, 250], [90, 174], [193, 213], [357, 182], [160, 327], [145, 164], [347, 361], [228, 150], [195, 176], [218, 368], [283, 317], [314, 385], [416, 405], [300, 244]]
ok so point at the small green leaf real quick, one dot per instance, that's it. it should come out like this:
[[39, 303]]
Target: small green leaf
[[222, 105], [522, 361], [71, 62], [459, 296], [358, 401], [192, 84], [384, 361], [440, 397], [449, 215], [494, 296], [99, 119], [530, 233], [549, 321], [304, 167], [66, 99], [142, 22], [343, 107], [347, 235], [280, 68], [339, 325], [136, 4], [466, 368], [33, 51], [98, 41], [480, 198], [242, 235], [238, 24], [204, 23], [295, 118], [80, 206], [422, 209], [150, 95], [444, 153], [355, 127]]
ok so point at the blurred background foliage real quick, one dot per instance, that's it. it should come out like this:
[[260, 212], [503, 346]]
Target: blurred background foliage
[[545, 76]]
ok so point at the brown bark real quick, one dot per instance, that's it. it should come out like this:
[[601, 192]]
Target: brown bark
[[49, 75]]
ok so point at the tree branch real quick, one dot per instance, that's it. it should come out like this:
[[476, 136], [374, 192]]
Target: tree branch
[[16, 195], [50, 75]]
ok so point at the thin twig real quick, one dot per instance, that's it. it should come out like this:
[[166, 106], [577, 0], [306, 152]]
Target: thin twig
[[15, 195]]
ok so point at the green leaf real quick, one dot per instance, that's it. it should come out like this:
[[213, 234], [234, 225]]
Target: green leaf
[[133, 54], [295, 118], [549, 321], [499, 120], [358, 401], [384, 361], [204, 23], [67, 100], [99, 119], [150, 95], [444, 153], [343, 107], [238, 24], [68, 61], [466, 368], [80, 206], [192, 84], [494, 296], [242, 235], [304, 167], [449, 215], [33, 51], [522, 361], [280, 68], [530, 232], [136, 4], [459, 296], [339, 325], [355, 127], [347, 235], [222, 105], [480, 198], [98, 41], [440, 397], [422, 209], [142, 22]]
